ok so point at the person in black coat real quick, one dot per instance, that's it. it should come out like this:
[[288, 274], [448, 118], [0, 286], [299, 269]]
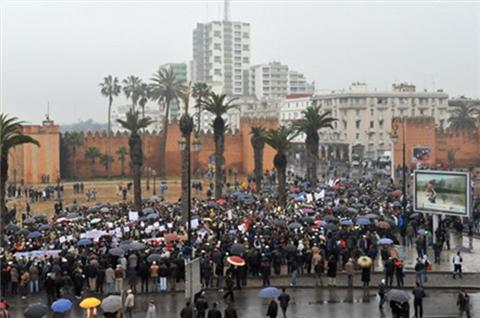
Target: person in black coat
[[284, 299], [366, 276], [214, 312], [100, 279], [50, 288], [201, 305], [272, 311], [230, 312]]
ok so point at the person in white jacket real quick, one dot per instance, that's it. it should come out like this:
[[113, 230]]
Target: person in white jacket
[[152, 309]]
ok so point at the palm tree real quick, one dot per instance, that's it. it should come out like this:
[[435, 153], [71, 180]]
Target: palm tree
[[218, 106], [74, 139], [132, 89], [258, 143], [310, 124], [280, 140], [143, 96], [106, 161], [10, 136], [110, 89], [186, 127], [164, 88], [462, 117], [134, 124], [92, 154], [200, 91], [122, 153]]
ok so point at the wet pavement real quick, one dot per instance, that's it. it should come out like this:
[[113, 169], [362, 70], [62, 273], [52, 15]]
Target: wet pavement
[[325, 302]]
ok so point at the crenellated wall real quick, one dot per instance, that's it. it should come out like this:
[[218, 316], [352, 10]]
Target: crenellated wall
[[421, 131], [238, 151]]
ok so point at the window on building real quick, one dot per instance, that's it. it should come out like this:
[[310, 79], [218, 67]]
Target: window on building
[[380, 135], [238, 52], [217, 59], [357, 112], [218, 71], [246, 60], [246, 35], [217, 34], [357, 136], [357, 124], [238, 77], [421, 111], [344, 124], [371, 112], [371, 124], [380, 123], [335, 125], [238, 33], [246, 47], [217, 46], [238, 64]]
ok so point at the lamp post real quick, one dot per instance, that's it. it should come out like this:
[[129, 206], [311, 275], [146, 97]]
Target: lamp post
[[394, 137], [148, 170], [196, 148], [186, 127], [154, 174]]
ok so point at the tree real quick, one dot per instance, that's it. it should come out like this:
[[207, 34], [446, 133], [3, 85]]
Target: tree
[[110, 89], [74, 139], [200, 91], [10, 136], [132, 89], [164, 88], [463, 117], [280, 140], [122, 153], [106, 161], [186, 127], [92, 154], [218, 106], [451, 158], [258, 143], [311, 122], [143, 96], [134, 124]]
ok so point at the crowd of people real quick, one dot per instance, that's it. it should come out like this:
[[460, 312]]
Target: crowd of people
[[111, 248]]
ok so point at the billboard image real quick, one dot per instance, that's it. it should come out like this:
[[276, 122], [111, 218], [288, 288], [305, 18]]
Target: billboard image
[[422, 155], [442, 192]]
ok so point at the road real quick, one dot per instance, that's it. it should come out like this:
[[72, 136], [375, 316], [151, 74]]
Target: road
[[305, 303]]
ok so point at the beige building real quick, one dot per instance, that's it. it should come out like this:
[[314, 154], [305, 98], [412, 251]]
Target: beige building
[[364, 116]]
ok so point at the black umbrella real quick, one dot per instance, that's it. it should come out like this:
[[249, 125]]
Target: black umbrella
[[111, 304], [116, 251], [11, 228], [43, 227], [136, 246], [24, 232], [308, 220], [154, 258], [290, 248], [237, 249], [36, 310], [29, 221], [329, 218], [294, 225], [279, 222]]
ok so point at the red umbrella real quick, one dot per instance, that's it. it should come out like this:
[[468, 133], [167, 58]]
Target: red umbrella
[[221, 201], [397, 193], [236, 260], [170, 237]]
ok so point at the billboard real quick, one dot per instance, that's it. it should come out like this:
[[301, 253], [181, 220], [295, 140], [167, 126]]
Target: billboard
[[442, 192], [422, 155]]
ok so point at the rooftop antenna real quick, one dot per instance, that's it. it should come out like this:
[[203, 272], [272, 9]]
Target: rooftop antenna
[[226, 10], [47, 115]]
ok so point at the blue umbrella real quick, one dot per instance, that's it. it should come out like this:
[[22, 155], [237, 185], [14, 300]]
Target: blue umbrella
[[148, 210], [269, 292], [44, 227], [363, 221], [346, 222], [237, 194], [385, 241], [152, 216], [299, 198], [34, 235], [62, 305], [249, 201], [84, 242]]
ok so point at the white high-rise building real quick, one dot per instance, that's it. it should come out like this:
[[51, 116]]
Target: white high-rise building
[[275, 80], [221, 56]]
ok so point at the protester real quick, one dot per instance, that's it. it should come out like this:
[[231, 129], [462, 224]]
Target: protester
[[214, 312], [463, 303], [151, 309], [284, 300], [272, 311], [418, 295], [457, 265], [187, 311]]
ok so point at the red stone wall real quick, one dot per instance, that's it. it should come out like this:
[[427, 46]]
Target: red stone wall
[[421, 131], [238, 151]]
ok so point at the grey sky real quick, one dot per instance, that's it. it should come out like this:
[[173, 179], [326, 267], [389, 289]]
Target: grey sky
[[60, 50]]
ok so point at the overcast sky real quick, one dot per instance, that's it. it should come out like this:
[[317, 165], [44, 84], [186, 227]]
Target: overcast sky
[[59, 51]]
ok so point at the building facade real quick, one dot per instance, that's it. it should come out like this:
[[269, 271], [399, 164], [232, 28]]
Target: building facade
[[275, 80], [221, 56], [364, 117]]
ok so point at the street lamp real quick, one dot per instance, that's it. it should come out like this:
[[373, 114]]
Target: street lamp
[[154, 174], [394, 137], [149, 171], [196, 148]]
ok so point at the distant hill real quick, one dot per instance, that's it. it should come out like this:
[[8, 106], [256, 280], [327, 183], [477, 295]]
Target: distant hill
[[84, 125]]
